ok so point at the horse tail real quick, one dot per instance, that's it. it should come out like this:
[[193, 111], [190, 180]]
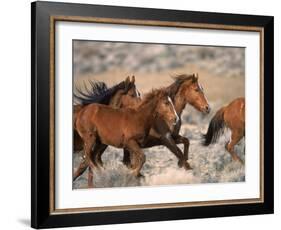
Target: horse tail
[[215, 129]]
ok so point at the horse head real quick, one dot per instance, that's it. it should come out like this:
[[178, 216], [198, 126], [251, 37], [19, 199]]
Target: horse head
[[192, 92], [128, 95]]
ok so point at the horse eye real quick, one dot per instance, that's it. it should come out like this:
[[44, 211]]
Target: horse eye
[[197, 89]]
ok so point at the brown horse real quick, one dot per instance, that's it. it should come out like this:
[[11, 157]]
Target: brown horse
[[231, 116], [118, 96], [100, 126], [185, 90]]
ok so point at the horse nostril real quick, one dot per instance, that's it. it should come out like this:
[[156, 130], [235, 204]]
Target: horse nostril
[[176, 119], [207, 109]]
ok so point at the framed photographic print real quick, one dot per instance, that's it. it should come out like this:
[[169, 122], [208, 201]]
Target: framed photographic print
[[148, 114]]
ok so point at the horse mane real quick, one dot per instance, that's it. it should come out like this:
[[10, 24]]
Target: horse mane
[[171, 91], [178, 81], [154, 94], [98, 93]]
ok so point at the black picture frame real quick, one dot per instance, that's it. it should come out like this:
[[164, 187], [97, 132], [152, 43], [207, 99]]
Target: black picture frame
[[42, 16]]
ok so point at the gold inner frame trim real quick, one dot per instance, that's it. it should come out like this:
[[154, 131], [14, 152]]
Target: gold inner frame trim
[[53, 19]]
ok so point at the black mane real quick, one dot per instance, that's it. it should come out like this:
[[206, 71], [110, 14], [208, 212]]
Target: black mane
[[98, 93]]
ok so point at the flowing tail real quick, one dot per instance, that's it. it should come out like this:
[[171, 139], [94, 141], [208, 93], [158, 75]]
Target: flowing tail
[[215, 129]]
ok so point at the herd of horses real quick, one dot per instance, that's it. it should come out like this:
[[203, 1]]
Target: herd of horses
[[120, 117]]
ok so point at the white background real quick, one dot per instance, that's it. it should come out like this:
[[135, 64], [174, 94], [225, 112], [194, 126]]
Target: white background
[[66, 197], [15, 113]]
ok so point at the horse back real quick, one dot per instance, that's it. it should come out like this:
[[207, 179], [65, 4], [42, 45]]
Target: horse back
[[112, 125], [234, 114]]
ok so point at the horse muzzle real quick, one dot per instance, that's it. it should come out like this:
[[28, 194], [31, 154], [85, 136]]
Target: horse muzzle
[[207, 109]]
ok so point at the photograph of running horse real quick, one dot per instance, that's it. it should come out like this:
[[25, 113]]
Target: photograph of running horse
[[158, 126], [185, 89]]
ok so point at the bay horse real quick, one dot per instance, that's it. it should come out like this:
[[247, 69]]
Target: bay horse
[[127, 128], [184, 90], [118, 96], [231, 116]]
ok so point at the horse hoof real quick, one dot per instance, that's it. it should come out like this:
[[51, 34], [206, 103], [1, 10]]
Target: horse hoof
[[241, 162], [129, 166], [238, 159], [140, 176], [187, 167], [180, 164], [101, 167]]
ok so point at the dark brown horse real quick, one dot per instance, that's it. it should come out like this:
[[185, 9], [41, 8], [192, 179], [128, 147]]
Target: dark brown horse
[[100, 126], [185, 90], [118, 96], [231, 116]]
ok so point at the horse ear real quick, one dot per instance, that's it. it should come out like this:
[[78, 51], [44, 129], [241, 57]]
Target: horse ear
[[127, 83], [127, 80], [133, 79], [195, 77]]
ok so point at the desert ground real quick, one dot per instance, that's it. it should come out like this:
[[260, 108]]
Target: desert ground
[[221, 73]]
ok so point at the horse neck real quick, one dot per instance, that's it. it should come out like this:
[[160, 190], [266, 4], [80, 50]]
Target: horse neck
[[113, 90], [147, 110], [179, 104], [178, 101], [133, 104], [115, 100], [115, 95]]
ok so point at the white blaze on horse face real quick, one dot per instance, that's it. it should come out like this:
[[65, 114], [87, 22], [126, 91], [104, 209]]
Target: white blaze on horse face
[[177, 117], [137, 93]]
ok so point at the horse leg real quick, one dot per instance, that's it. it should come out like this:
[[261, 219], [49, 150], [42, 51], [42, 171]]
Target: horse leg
[[81, 169], [77, 141], [88, 148], [127, 158], [236, 136], [138, 157], [83, 166], [98, 153], [90, 178], [183, 140], [149, 142], [169, 142]]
